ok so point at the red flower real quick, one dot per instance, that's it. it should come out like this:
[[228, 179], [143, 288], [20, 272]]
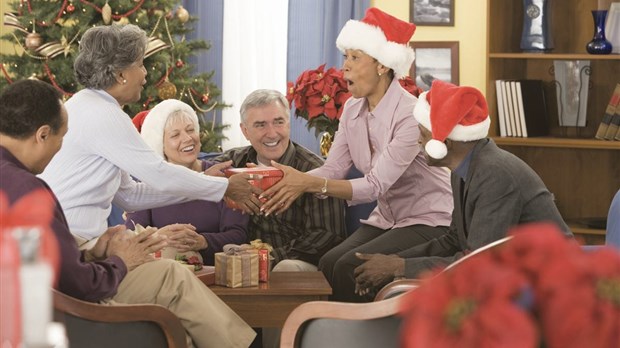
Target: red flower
[[471, 306], [537, 288]]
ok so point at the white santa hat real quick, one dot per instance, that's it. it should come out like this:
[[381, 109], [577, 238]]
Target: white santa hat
[[153, 126], [451, 112], [381, 36]]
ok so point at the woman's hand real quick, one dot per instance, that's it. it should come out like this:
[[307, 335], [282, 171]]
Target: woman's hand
[[281, 195], [184, 237], [136, 249]]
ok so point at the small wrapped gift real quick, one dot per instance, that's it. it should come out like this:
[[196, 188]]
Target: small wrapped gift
[[236, 266], [268, 177], [264, 259]]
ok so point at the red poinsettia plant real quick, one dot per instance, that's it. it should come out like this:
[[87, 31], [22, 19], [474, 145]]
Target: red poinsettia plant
[[536, 290], [319, 97]]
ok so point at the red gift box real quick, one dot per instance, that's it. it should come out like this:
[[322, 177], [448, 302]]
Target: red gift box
[[270, 176]]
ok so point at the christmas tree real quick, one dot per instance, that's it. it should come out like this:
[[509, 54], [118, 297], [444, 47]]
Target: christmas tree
[[46, 35]]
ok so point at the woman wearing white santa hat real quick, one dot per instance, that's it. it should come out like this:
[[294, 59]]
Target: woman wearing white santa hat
[[379, 136]]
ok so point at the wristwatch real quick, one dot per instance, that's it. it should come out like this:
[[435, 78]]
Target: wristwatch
[[324, 188]]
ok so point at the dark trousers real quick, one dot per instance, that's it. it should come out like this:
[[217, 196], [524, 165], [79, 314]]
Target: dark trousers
[[339, 263]]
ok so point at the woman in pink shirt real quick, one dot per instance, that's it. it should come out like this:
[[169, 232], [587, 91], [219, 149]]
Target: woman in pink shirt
[[379, 136]]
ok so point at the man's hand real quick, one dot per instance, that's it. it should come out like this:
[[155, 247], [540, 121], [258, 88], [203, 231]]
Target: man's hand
[[98, 252], [244, 194], [135, 250], [377, 271], [281, 195], [218, 169], [183, 237]]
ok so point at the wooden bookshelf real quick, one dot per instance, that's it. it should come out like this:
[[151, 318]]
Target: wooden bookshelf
[[583, 173]]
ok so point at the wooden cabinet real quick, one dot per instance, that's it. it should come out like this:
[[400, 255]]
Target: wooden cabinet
[[583, 173]]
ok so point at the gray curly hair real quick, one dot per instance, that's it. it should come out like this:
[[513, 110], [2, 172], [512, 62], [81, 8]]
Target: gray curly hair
[[106, 50]]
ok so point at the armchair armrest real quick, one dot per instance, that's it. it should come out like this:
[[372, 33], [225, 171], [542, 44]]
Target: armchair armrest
[[169, 324], [348, 321], [397, 287]]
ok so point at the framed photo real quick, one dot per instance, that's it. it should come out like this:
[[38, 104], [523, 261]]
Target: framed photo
[[435, 60], [431, 12]]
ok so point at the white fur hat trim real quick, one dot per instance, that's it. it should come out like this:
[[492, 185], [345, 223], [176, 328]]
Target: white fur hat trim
[[370, 39]]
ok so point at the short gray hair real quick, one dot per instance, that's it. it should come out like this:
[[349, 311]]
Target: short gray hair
[[106, 50], [263, 97]]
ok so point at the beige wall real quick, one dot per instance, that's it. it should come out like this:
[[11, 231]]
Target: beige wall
[[4, 7], [469, 30]]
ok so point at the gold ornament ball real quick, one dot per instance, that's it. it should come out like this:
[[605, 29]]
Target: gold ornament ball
[[33, 41], [167, 90], [182, 14]]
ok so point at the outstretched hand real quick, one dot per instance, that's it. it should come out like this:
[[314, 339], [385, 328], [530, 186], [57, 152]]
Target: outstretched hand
[[245, 195], [377, 271], [282, 195], [218, 169]]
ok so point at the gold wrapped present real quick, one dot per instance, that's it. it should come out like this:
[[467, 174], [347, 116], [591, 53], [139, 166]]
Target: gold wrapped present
[[237, 266]]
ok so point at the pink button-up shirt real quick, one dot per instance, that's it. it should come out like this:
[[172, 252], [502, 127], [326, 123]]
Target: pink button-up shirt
[[383, 145]]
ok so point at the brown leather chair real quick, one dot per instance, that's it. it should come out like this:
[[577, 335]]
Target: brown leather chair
[[94, 325]]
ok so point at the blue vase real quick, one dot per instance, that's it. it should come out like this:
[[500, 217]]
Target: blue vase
[[599, 44], [536, 34]]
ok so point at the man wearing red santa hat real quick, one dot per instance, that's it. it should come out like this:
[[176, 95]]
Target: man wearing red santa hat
[[492, 189]]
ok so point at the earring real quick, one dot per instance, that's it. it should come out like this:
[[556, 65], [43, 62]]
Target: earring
[[379, 74], [124, 81]]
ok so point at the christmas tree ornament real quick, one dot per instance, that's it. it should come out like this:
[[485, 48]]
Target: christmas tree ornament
[[106, 13], [154, 45], [11, 20], [179, 63], [167, 90], [33, 77], [33, 41], [205, 98], [70, 8], [50, 49], [182, 14]]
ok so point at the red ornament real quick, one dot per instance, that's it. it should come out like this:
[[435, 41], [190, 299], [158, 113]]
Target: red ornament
[[179, 63], [205, 98], [70, 8]]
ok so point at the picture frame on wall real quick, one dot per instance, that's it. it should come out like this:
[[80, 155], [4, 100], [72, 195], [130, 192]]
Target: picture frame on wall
[[431, 12], [435, 60]]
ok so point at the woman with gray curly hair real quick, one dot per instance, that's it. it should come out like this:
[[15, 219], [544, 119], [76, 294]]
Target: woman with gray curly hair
[[102, 148], [92, 170]]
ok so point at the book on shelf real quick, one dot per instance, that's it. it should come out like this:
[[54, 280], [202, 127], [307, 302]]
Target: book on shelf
[[501, 113], [617, 137], [511, 129], [522, 109], [534, 107], [614, 125], [610, 111]]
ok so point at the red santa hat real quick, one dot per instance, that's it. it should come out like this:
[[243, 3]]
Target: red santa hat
[[451, 112], [153, 125], [384, 37], [139, 119]]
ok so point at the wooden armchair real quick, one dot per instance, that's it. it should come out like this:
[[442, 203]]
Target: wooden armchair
[[94, 325]]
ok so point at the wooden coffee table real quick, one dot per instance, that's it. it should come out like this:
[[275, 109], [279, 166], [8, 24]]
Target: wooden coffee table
[[269, 304]]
